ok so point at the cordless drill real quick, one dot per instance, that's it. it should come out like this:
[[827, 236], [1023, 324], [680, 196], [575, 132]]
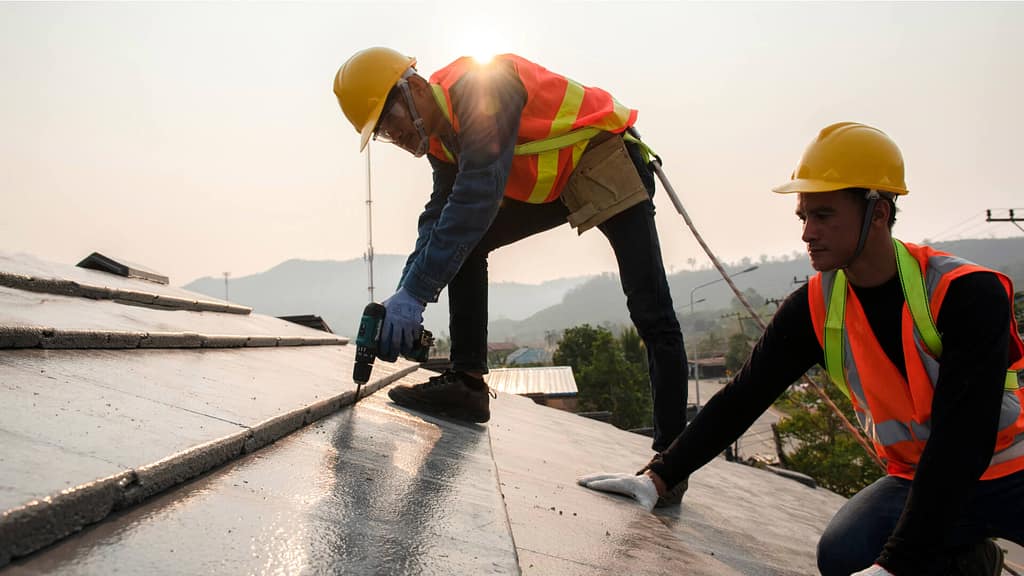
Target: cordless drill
[[368, 343]]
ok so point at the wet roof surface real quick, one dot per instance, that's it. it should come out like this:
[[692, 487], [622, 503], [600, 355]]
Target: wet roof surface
[[252, 460], [376, 489]]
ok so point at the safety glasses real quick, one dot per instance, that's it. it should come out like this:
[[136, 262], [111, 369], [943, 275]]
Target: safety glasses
[[396, 120], [393, 122]]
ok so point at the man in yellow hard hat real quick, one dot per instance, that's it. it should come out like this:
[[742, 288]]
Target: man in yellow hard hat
[[925, 346], [516, 149]]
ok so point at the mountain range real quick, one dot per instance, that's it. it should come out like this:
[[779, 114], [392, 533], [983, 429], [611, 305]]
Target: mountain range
[[525, 313]]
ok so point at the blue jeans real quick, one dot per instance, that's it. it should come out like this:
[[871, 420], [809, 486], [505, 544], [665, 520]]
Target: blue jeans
[[634, 239], [855, 536]]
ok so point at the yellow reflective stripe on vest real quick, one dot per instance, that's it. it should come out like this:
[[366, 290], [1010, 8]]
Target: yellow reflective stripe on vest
[[442, 103], [547, 170], [916, 296], [547, 160], [569, 110], [835, 320], [556, 142], [1012, 382]]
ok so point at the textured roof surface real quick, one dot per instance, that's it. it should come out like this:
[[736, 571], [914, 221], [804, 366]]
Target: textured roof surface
[[254, 460]]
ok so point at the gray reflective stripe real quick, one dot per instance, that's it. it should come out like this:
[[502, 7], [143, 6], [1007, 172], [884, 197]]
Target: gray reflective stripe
[[827, 279], [1014, 450], [943, 264], [931, 365], [1010, 410], [921, 431], [892, 431], [852, 374]]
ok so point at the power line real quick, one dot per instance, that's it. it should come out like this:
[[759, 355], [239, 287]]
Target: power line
[[1012, 219], [949, 231]]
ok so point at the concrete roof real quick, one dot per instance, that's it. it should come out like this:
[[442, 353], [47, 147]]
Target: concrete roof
[[542, 380], [254, 460]]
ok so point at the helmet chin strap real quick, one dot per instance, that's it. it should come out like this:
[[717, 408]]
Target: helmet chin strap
[[872, 197], [417, 120]]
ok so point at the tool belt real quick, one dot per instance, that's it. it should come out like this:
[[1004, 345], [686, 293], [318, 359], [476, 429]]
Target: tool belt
[[604, 183]]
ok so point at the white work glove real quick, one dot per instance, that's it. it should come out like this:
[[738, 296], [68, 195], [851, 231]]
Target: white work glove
[[873, 570], [638, 487]]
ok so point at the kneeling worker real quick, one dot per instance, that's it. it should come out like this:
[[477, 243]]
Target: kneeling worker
[[925, 345]]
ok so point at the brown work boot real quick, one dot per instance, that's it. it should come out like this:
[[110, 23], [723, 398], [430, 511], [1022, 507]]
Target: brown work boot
[[674, 496], [453, 394], [983, 559]]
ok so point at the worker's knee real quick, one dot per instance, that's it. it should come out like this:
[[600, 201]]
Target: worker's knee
[[837, 559]]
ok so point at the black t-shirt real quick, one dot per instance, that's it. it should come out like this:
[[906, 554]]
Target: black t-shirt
[[975, 326]]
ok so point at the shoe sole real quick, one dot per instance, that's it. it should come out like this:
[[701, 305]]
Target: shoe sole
[[435, 410]]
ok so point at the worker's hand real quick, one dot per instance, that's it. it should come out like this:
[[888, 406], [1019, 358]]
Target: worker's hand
[[873, 570], [638, 487], [403, 320]]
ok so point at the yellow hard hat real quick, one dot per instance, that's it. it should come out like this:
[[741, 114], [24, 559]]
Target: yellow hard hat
[[362, 85], [848, 155]]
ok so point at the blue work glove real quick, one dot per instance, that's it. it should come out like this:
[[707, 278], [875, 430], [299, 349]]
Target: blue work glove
[[403, 321]]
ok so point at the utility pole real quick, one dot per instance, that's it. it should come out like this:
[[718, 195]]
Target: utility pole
[[226, 276], [369, 226], [1012, 219]]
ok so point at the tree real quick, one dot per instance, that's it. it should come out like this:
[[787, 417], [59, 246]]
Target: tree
[[633, 348], [577, 346], [753, 297], [819, 445], [737, 352], [605, 379]]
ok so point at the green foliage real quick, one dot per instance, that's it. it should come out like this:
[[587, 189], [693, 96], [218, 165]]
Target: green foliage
[[606, 379], [737, 352], [753, 298], [819, 444], [633, 347]]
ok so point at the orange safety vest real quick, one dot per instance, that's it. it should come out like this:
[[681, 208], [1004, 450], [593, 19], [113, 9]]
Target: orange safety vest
[[559, 118], [893, 410]]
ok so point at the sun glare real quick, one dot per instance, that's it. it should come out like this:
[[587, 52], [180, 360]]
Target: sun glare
[[482, 57], [480, 44]]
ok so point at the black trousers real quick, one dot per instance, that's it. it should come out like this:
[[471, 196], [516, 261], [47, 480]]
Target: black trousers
[[634, 239]]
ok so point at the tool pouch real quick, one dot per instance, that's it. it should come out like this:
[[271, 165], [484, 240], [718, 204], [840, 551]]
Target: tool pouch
[[604, 183]]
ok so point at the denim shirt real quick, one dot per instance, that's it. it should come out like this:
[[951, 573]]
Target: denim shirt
[[488, 103]]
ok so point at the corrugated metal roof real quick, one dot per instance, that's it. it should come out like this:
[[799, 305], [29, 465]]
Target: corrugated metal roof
[[542, 380]]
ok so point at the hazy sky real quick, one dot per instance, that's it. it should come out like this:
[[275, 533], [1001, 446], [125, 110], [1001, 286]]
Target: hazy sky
[[201, 138]]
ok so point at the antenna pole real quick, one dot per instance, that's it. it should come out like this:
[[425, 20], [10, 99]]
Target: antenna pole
[[369, 225]]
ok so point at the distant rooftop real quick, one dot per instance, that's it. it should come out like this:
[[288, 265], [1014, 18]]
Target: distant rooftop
[[541, 380]]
